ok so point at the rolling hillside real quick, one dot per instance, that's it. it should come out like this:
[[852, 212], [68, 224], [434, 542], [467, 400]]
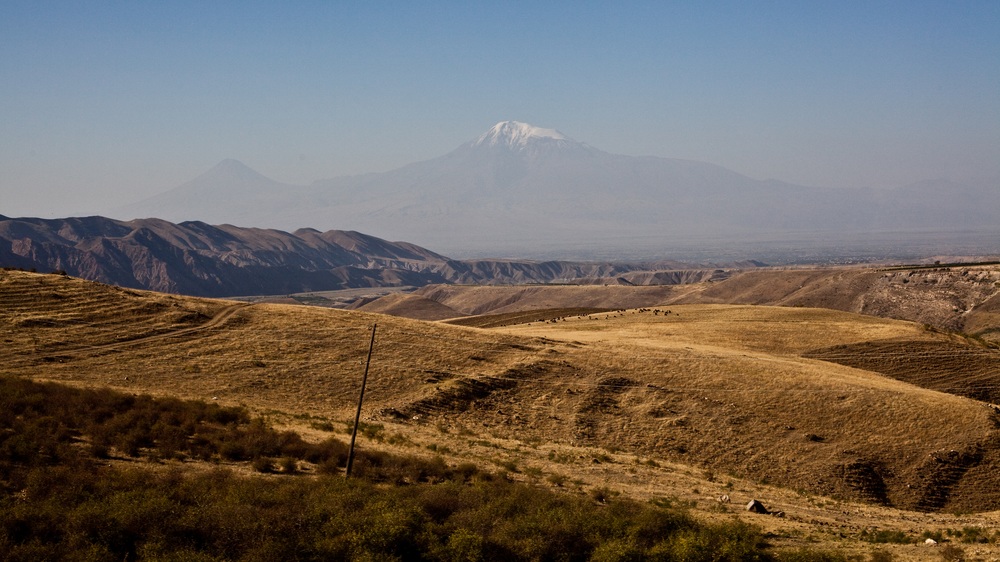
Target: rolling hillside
[[963, 298], [741, 391]]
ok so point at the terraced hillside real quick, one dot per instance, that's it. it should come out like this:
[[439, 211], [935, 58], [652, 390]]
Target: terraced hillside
[[957, 366], [299, 359], [690, 400], [46, 316]]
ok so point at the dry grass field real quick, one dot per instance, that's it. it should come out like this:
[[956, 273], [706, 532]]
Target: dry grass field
[[963, 298], [439, 302], [959, 298], [846, 423]]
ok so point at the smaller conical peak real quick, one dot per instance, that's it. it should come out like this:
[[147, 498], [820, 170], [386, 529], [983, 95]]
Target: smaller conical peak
[[232, 165], [232, 174], [515, 134], [231, 168]]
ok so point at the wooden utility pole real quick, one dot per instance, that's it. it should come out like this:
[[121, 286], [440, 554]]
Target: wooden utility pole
[[357, 417]]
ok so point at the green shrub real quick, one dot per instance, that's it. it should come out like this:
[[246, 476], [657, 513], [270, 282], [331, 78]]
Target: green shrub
[[883, 536], [973, 535]]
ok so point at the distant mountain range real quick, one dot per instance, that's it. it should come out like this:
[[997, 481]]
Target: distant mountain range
[[519, 189], [195, 258]]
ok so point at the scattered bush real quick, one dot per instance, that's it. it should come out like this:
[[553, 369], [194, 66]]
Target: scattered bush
[[952, 553], [602, 494], [881, 556], [936, 536], [263, 464], [372, 431], [509, 466], [114, 513], [557, 480], [883, 536], [56, 417], [289, 465], [323, 426], [973, 535], [57, 503]]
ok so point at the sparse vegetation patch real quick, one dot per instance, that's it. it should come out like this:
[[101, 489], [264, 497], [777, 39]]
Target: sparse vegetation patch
[[59, 501]]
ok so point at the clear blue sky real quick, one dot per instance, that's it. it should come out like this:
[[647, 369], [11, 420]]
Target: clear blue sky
[[110, 102]]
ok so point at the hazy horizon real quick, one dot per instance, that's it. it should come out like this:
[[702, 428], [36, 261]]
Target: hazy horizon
[[112, 104]]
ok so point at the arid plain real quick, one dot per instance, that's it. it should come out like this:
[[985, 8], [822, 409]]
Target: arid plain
[[847, 423]]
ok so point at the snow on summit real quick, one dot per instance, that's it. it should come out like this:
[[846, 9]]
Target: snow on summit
[[514, 134]]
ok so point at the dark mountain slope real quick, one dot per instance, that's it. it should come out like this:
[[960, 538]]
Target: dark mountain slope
[[199, 259]]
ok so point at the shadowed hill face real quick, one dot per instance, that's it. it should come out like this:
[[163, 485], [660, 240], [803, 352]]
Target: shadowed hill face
[[200, 259], [376, 247], [725, 388], [411, 306]]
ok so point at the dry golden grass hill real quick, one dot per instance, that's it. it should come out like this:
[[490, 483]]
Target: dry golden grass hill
[[688, 400], [470, 300], [962, 298]]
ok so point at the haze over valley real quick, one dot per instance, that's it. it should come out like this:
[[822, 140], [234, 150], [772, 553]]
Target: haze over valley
[[523, 191]]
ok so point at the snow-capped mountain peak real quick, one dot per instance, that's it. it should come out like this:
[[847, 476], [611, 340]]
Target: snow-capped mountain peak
[[514, 134]]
